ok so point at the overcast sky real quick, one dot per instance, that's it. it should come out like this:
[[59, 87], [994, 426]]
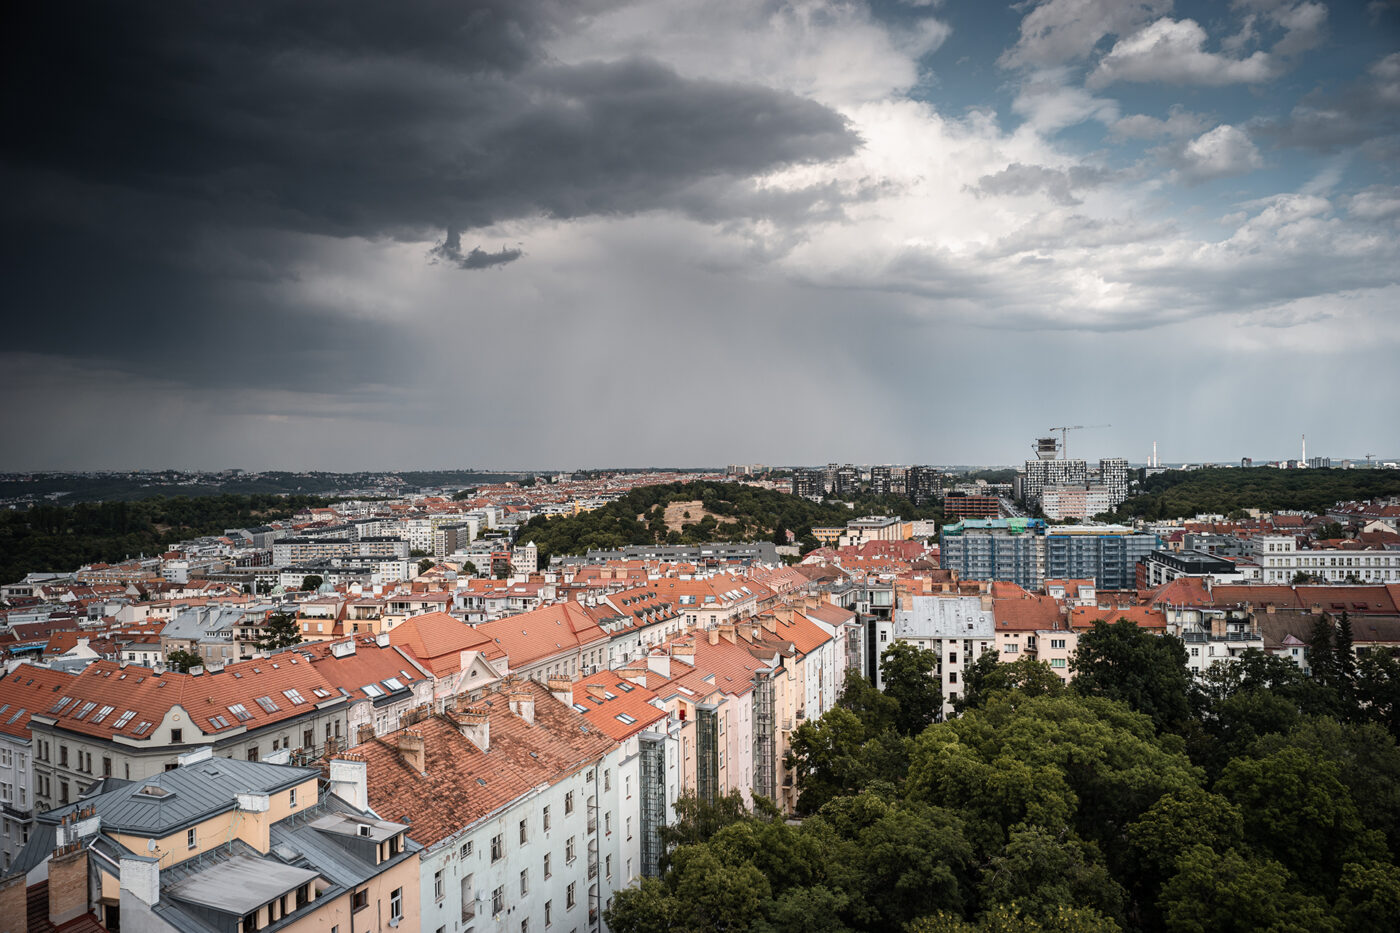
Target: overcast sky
[[527, 233]]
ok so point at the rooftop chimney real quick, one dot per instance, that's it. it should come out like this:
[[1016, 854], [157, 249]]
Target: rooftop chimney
[[14, 903], [475, 726], [343, 649], [411, 750], [68, 883], [562, 689], [349, 780]]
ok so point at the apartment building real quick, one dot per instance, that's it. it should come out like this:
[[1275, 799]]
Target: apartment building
[[923, 484], [22, 691], [215, 844], [957, 628], [1280, 560], [516, 801], [130, 722]]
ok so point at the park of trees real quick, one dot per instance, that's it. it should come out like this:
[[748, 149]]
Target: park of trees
[[1221, 490], [732, 512], [63, 538], [1256, 798]]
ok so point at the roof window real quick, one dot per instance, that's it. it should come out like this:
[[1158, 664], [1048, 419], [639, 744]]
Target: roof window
[[268, 705]]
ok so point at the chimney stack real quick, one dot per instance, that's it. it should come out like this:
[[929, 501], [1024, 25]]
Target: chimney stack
[[562, 689], [475, 725], [411, 750]]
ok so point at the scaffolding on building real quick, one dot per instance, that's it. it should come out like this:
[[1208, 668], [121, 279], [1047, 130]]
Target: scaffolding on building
[[707, 752], [764, 729], [652, 765]]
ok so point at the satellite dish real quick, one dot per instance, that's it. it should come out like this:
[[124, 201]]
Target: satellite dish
[[150, 845]]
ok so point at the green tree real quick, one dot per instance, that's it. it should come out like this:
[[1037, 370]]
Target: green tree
[[182, 660], [417, 552], [988, 675], [1226, 892], [1040, 873], [1297, 810], [877, 711], [469, 569], [909, 675], [1322, 659], [1378, 689], [698, 819], [1148, 672], [279, 630], [425, 565], [827, 758], [1368, 897], [311, 582]]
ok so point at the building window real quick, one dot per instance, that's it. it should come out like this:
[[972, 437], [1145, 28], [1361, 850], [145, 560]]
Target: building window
[[292, 798], [439, 889], [524, 882], [498, 847], [522, 832], [190, 840], [177, 736], [568, 802], [467, 848], [548, 912], [607, 871], [952, 677], [396, 904], [568, 846], [498, 900], [569, 899], [607, 779], [546, 819], [547, 872], [359, 900]]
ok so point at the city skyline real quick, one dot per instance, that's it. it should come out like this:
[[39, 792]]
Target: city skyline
[[555, 235]]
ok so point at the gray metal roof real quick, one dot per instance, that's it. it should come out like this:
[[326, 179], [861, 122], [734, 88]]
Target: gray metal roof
[[240, 884], [191, 793]]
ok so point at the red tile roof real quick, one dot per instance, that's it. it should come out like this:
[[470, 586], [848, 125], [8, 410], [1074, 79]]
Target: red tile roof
[[463, 784], [26, 689]]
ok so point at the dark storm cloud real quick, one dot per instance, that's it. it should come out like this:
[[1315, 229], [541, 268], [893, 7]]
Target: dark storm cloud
[[367, 119], [160, 152], [450, 251]]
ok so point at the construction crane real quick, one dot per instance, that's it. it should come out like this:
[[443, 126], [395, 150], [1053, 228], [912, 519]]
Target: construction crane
[[1368, 460], [1064, 434]]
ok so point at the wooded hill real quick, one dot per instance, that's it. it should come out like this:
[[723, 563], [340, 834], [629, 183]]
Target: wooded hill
[[63, 538], [728, 512], [1220, 490]]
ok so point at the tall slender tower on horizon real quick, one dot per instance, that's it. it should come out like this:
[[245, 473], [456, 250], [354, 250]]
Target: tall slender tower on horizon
[[1305, 450]]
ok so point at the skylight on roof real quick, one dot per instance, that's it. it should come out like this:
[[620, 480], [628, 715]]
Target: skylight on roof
[[142, 728], [268, 705], [102, 714], [15, 715], [295, 696], [87, 708], [393, 683], [321, 692], [218, 722], [372, 691], [123, 719], [580, 707], [61, 704], [625, 719]]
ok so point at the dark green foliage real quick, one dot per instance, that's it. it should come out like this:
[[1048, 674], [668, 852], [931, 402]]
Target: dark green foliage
[[57, 538], [1051, 810], [182, 660], [310, 582], [911, 681], [279, 631], [1182, 494], [987, 675], [1148, 672], [740, 513]]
